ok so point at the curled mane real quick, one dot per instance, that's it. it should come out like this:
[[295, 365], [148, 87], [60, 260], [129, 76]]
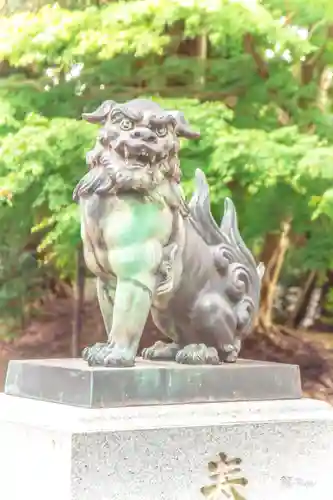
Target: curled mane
[[96, 181]]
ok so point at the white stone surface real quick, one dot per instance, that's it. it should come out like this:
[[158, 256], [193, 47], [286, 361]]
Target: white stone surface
[[57, 452]]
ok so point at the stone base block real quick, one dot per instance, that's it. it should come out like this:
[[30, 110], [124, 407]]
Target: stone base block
[[283, 450], [73, 382]]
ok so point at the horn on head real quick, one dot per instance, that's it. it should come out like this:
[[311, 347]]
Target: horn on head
[[100, 114], [182, 126]]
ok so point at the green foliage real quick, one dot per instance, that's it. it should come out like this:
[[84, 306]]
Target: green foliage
[[20, 278], [58, 36], [260, 93], [134, 45], [40, 164], [42, 161]]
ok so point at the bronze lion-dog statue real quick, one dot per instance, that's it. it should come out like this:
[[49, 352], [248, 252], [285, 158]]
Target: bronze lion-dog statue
[[152, 251]]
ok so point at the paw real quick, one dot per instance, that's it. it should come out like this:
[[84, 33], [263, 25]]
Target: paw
[[230, 357], [198, 354], [93, 350], [231, 352], [108, 355], [161, 351]]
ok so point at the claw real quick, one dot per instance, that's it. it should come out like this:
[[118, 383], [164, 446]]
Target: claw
[[108, 355], [198, 354]]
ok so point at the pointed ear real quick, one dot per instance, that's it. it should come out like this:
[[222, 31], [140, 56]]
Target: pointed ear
[[182, 126], [100, 114]]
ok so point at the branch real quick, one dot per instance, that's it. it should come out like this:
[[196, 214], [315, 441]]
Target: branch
[[325, 84], [250, 49], [262, 69], [14, 84], [308, 66]]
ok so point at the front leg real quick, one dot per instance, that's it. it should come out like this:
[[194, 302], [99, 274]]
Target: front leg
[[132, 304], [106, 290]]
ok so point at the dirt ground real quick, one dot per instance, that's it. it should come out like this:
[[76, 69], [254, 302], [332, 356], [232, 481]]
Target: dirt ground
[[49, 336]]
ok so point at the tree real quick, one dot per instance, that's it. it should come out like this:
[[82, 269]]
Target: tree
[[254, 76]]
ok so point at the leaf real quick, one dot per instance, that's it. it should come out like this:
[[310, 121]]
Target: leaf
[[324, 205]]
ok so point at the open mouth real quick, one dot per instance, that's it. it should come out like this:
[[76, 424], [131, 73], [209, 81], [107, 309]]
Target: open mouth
[[142, 158], [138, 154]]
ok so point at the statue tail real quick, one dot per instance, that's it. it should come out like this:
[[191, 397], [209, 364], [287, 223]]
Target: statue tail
[[232, 257]]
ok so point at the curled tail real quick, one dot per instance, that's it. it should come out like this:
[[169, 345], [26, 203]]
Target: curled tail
[[232, 258]]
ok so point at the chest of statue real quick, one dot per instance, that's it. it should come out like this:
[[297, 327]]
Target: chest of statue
[[124, 221]]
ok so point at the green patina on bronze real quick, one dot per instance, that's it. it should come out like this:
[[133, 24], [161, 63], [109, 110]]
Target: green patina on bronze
[[144, 224]]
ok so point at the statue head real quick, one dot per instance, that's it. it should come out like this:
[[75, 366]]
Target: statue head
[[137, 144]]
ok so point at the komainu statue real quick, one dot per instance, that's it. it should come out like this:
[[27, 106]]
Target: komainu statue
[[152, 251]]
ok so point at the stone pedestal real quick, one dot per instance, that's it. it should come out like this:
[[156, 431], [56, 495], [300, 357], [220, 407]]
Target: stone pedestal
[[73, 382], [158, 450]]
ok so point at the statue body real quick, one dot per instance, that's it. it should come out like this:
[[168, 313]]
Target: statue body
[[151, 251]]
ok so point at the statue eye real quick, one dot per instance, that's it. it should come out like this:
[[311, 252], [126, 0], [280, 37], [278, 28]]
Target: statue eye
[[126, 124], [161, 131]]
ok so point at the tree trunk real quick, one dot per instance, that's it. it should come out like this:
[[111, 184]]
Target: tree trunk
[[78, 303], [202, 55], [273, 254], [302, 304], [325, 320]]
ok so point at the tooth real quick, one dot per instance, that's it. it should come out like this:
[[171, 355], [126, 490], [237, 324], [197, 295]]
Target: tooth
[[126, 154], [153, 158]]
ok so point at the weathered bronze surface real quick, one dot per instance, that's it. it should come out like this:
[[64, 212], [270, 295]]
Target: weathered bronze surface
[[73, 382], [152, 251]]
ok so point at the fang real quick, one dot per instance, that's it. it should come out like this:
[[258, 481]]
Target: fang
[[126, 153]]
